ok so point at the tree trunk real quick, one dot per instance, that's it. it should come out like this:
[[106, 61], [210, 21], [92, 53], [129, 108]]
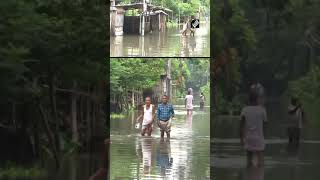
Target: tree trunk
[[226, 47], [49, 134], [53, 102], [75, 136], [89, 130], [14, 120], [133, 98]]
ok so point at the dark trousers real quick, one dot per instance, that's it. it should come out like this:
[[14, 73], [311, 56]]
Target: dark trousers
[[294, 135]]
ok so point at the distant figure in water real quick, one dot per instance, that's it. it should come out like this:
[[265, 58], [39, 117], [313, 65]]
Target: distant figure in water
[[252, 130], [184, 28], [296, 118], [188, 102], [165, 114], [192, 29], [147, 115], [202, 99]]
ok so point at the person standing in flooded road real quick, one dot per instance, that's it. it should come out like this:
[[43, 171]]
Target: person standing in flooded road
[[164, 115], [296, 117], [147, 115], [202, 99], [252, 129], [188, 102]]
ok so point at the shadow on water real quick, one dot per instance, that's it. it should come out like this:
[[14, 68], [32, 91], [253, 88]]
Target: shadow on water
[[185, 156], [163, 44], [228, 159]]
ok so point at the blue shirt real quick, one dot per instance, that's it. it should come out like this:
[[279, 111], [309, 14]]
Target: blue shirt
[[165, 111]]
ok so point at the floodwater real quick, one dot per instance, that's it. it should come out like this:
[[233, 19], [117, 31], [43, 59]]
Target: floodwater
[[185, 156], [228, 160], [169, 43], [79, 166]]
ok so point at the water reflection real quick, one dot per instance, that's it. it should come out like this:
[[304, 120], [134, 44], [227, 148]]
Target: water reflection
[[163, 44], [146, 148], [164, 159], [189, 120], [254, 173]]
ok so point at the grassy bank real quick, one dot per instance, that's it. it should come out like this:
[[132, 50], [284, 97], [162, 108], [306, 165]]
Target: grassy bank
[[117, 116], [171, 24], [14, 172]]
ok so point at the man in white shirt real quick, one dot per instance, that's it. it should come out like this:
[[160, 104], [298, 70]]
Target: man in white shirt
[[147, 115]]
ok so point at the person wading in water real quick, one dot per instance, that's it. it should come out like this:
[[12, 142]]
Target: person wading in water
[[147, 115], [164, 115], [252, 130], [296, 118], [202, 99], [189, 103]]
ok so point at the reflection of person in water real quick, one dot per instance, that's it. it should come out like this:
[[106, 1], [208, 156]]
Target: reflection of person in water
[[146, 146], [254, 173], [184, 47], [189, 120], [164, 160]]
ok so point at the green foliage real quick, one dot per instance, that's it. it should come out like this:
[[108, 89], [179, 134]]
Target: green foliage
[[12, 171], [134, 73], [307, 87], [271, 41], [199, 73], [49, 42], [172, 24], [185, 7], [206, 92], [117, 116]]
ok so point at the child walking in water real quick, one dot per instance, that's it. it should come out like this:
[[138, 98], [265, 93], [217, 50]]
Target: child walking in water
[[147, 115], [252, 129], [189, 102]]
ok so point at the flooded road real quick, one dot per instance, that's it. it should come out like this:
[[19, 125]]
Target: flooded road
[[281, 162], [163, 44], [185, 156]]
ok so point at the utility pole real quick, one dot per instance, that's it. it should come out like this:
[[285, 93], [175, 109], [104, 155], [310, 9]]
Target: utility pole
[[168, 79], [179, 18], [143, 17]]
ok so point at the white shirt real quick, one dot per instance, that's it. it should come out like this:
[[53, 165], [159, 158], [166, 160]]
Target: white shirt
[[147, 116]]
